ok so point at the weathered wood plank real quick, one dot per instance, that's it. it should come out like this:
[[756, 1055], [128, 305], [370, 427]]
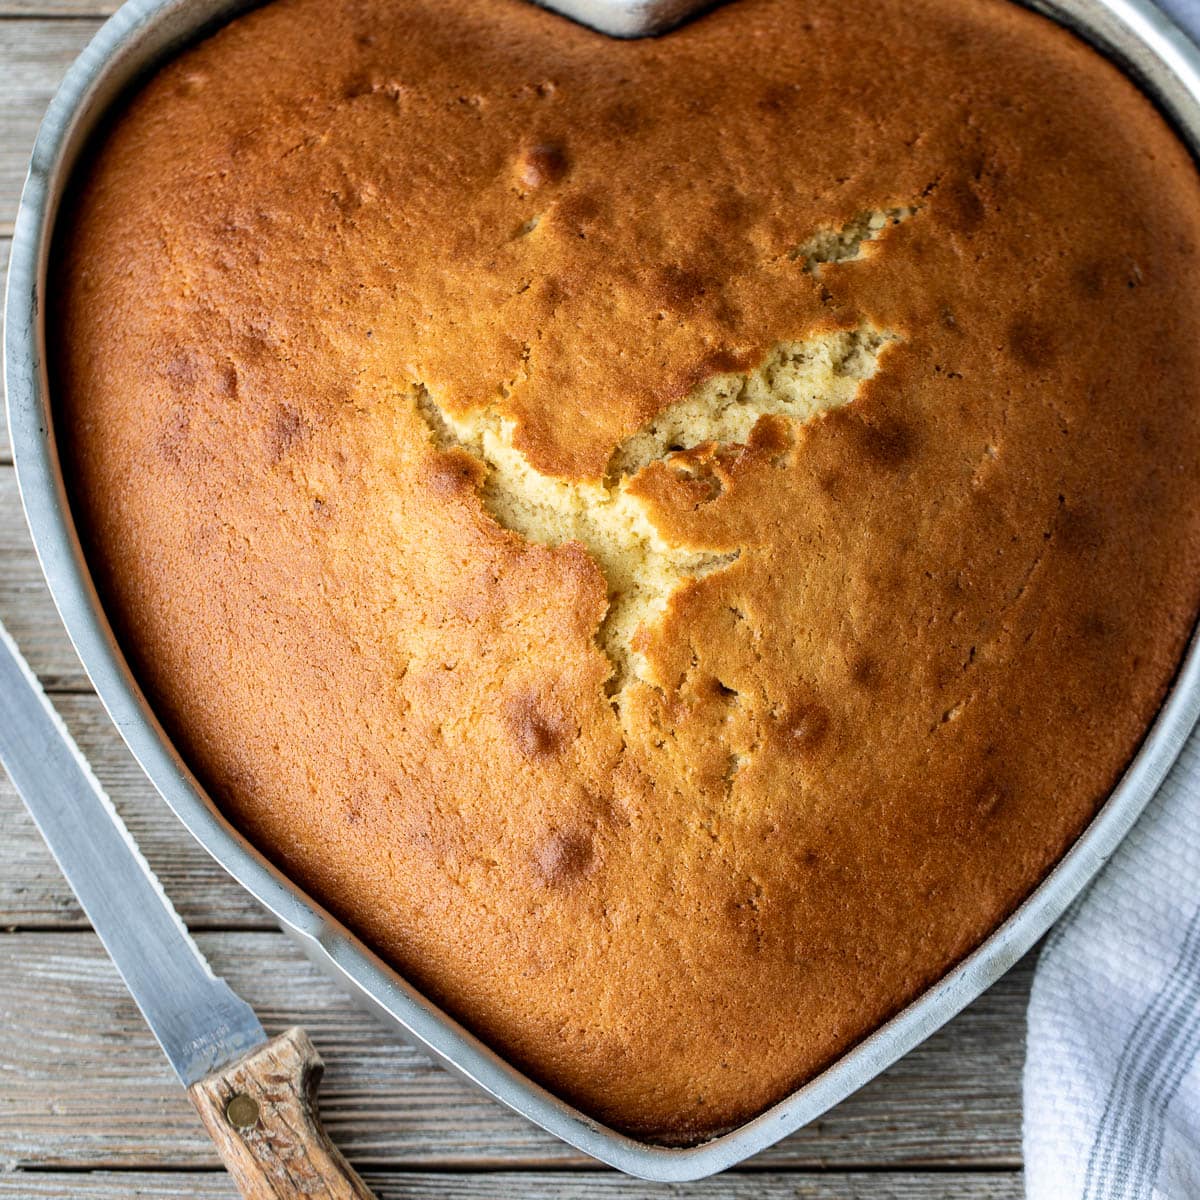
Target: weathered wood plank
[[25, 605], [591, 1185], [33, 892], [85, 1084], [34, 56], [58, 8]]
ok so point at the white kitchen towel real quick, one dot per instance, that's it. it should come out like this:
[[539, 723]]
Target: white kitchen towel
[[1112, 1079]]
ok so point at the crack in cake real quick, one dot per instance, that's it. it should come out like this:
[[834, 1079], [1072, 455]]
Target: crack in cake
[[797, 380], [669, 540]]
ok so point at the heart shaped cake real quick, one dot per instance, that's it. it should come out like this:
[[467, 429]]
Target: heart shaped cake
[[668, 540]]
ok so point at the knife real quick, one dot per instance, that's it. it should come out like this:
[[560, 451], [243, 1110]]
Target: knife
[[256, 1096]]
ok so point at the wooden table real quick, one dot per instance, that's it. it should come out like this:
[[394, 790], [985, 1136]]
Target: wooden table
[[88, 1105]]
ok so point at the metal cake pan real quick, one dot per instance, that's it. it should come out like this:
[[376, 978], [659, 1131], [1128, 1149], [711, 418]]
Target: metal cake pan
[[141, 34]]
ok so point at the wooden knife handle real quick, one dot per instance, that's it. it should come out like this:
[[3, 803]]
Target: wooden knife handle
[[261, 1112]]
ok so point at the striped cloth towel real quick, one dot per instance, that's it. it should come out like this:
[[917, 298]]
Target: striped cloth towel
[[1112, 1077]]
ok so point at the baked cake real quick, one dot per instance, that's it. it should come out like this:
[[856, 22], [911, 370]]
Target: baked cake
[[668, 540]]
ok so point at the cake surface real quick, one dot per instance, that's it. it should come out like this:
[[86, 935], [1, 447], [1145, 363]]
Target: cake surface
[[669, 540]]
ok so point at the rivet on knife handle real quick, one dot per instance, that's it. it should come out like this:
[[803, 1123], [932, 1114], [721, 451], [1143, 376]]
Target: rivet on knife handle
[[261, 1113]]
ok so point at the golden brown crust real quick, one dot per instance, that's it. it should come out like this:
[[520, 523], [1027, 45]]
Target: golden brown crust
[[847, 754]]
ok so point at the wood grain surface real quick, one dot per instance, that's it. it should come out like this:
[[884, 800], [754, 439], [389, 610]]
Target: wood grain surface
[[89, 1107], [534, 1186]]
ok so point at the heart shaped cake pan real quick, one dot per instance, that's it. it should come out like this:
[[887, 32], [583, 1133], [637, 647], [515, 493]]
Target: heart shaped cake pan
[[144, 32]]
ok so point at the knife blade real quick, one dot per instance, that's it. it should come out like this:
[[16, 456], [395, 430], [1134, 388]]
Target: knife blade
[[198, 1020], [257, 1098]]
